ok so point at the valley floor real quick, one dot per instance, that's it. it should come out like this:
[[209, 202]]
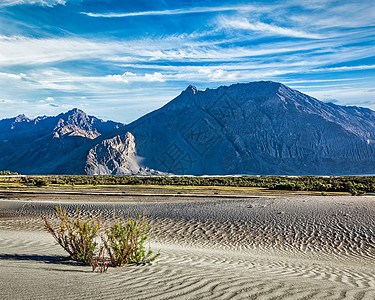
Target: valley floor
[[269, 247]]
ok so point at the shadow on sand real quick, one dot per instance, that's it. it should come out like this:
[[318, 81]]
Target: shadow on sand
[[48, 259]]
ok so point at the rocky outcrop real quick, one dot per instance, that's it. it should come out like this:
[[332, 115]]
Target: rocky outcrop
[[113, 156], [116, 156]]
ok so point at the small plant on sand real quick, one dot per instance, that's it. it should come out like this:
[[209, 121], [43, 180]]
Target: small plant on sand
[[86, 241], [78, 236], [124, 241]]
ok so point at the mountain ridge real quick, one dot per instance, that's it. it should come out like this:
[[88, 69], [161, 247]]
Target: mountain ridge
[[34, 145], [269, 105], [256, 128]]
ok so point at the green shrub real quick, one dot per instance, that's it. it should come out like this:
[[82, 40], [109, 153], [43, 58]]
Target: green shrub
[[118, 245], [124, 242], [76, 235]]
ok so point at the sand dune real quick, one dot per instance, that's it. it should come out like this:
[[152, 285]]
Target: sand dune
[[261, 248]]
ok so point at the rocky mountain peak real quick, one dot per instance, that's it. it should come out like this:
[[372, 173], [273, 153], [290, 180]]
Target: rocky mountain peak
[[22, 118], [74, 115], [191, 89], [76, 122], [75, 111]]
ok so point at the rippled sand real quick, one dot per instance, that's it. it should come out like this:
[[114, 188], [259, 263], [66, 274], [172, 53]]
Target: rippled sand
[[301, 247]]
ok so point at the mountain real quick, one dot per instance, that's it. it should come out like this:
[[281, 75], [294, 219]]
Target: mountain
[[32, 146], [260, 128], [255, 128]]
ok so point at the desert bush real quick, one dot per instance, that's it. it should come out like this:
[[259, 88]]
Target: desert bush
[[88, 242], [124, 241], [78, 236]]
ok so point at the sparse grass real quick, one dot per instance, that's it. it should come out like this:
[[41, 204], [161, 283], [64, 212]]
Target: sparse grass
[[87, 241]]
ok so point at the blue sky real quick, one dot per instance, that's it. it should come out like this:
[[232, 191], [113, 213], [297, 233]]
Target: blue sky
[[121, 59]]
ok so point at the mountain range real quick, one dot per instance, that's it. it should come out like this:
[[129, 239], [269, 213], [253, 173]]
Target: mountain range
[[257, 128]]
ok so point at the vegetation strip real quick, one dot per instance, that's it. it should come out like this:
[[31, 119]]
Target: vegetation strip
[[125, 194], [356, 185]]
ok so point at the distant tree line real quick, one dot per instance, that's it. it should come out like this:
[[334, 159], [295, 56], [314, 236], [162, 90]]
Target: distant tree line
[[8, 173], [356, 185]]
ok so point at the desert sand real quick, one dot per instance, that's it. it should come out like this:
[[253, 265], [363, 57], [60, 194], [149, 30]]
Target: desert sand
[[274, 247]]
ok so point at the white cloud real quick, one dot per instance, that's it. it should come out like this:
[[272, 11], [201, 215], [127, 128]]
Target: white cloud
[[49, 3], [244, 24], [321, 13], [124, 77], [345, 68], [155, 77], [132, 77], [218, 74], [23, 50], [341, 14], [13, 76], [172, 11], [49, 99]]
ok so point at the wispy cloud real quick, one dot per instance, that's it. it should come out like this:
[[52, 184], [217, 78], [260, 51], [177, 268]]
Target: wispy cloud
[[30, 51], [342, 14], [49, 3], [345, 68], [132, 77], [181, 11], [244, 24], [160, 61], [312, 4], [13, 76]]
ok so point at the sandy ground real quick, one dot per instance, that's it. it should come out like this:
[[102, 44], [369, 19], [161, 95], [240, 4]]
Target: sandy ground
[[300, 247]]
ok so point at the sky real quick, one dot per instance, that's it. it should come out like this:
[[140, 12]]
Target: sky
[[121, 59]]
